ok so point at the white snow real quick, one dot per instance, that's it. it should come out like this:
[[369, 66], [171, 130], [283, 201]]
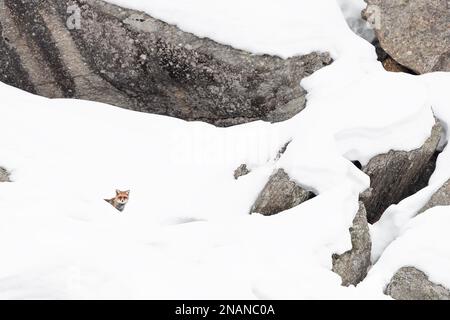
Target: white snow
[[186, 232], [352, 13]]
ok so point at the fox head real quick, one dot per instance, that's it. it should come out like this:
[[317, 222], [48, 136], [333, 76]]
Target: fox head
[[122, 196]]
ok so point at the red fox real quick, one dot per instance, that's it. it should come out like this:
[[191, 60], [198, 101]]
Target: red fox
[[120, 200]]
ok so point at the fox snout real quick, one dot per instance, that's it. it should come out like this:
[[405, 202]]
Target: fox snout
[[122, 200]]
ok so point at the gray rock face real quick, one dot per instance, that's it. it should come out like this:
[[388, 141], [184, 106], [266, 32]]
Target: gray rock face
[[415, 33], [409, 283], [280, 194], [353, 265], [4, 175], [440, 198], [129, 59], [397, 175]]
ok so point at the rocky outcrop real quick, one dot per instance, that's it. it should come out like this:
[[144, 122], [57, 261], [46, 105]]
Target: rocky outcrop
[[440, 198], [415, 33], [353, 265], [93, 50], [397, 175], [4, 175], [280, 194], [409, 283]]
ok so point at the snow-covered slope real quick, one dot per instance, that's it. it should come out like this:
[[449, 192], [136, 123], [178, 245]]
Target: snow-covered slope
[[186, 232]]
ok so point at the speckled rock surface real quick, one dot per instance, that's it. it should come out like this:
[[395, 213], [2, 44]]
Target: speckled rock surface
[[280, 194], [353, 265], [129, 59], [397, 175], [11, 70], [409, 283], [415, 33]]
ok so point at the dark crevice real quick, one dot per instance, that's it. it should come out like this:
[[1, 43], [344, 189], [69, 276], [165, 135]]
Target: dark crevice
[[424, 178], [389, 63], [357, 164]]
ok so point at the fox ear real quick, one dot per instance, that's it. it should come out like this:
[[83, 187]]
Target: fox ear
[[117, 191], [127, 192]]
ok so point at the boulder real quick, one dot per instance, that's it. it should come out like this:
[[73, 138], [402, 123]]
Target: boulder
[[398, 174], [353, 265], [409, 283], [440, 198], [280, 194], [93, 50], [415, 33]]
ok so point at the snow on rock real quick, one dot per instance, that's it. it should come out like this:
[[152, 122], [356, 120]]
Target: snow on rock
[[440, 198], [132, 60], [126, 58], [186, 232], [262, 27], [423, 244]]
